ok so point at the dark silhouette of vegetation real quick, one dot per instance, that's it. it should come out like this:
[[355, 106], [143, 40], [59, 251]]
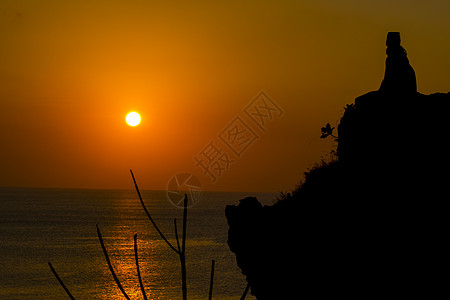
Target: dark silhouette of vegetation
[[247, 287], [180, 250], [327, 131], [211, 281], [60, 281], [108, 261], [141, 285]]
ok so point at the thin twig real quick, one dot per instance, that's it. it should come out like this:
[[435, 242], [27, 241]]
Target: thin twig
[[137, 267], [176, 234], [211, 279], [245, 291], [109, 264], [150, 217], [183, 243], [183, 251], [60, 281]]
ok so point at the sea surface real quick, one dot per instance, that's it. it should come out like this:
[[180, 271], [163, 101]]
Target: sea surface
[[38, 226]]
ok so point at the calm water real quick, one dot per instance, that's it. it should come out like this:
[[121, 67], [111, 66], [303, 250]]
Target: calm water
[[58, 225]]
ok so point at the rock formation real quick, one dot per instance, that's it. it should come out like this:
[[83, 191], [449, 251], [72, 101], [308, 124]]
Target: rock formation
[[399, 77], [372, 222]]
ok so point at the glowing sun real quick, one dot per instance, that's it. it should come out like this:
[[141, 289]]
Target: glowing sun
[[133, 119]]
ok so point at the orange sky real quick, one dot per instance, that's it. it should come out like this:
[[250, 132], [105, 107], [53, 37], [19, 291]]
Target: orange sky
[[71, 70]]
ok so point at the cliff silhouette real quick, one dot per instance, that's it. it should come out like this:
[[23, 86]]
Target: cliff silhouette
[[372, 222]]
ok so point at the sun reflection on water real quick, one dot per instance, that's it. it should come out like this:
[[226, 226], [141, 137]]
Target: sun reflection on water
[[119, 217], [61, 228], [158, 265]]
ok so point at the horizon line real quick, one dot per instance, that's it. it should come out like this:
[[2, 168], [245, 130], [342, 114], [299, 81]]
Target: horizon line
[[125, 189]]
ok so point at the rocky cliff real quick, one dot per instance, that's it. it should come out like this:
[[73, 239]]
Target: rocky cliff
[[370, 223]]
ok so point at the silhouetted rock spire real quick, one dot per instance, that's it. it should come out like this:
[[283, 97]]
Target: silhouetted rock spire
[[399, 76], [373, 222]]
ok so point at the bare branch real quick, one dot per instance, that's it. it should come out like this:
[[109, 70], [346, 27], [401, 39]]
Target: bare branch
[[211, 279], [176, 234], [150, 217], [183, 251], [137, 267], [245, 292], [109, 264], [183, 243], [60, 281]]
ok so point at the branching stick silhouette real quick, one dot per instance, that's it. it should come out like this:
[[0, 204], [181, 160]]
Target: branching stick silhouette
[[181, 251]]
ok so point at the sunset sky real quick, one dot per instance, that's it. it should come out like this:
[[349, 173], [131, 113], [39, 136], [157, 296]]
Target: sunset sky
[[71, 70]]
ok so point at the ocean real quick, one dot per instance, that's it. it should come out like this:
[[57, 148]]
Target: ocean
[[38, 226]]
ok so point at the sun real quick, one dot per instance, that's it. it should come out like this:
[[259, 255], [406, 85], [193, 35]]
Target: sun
[[133, 118]]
